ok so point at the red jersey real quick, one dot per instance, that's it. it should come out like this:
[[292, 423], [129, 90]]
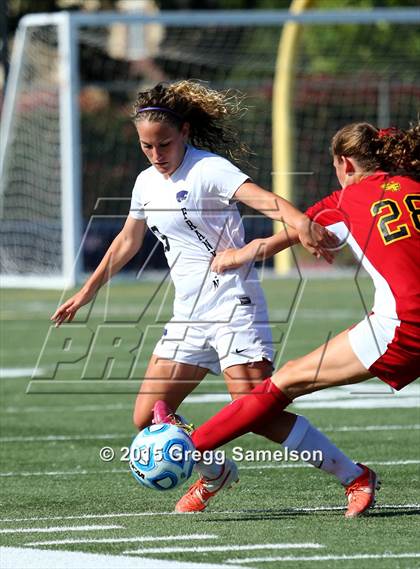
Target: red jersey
[[379, 218]]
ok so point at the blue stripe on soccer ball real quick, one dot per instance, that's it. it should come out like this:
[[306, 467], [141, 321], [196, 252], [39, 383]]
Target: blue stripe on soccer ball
[[161, 457], [153, 429], [171, 452], [161, 481], [143, 457]]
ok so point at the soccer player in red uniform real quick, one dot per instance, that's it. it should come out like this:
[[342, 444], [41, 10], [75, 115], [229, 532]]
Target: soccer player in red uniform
[[377, 213]]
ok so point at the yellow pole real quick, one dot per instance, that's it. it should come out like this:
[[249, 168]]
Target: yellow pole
[[283, 119]]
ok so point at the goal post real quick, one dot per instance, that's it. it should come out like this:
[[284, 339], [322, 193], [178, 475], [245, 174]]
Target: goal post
[[283, 119], [66, 142], [40, 196], [70, 146]]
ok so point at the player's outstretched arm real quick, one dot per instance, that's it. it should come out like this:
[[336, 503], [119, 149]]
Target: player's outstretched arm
[[314, 237], [256, 250], [122, 249]]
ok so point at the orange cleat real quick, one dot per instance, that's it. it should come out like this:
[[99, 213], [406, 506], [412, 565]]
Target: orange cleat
[[361, 492], [198, 496]]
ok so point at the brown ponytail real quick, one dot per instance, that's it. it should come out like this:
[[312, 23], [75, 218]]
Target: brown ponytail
[[208, 112], [393, 150]]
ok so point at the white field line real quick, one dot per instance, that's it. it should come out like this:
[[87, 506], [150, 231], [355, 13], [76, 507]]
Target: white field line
[[371, 388], [358, 401], [388, 402], [63, 473], [109, 436], [352, 429], [48, 438], [14, 372], [221, 513], [366, 395], [58, 529], [76, 409], [214, 548], [191, 399], [326, 557], [249, 467], [14, 557], [125, 539], [303, 465]]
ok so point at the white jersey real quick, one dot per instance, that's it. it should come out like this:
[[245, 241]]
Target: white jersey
[[191, 213]]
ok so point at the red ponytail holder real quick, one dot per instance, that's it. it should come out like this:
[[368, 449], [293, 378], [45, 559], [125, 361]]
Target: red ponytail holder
[[390, 131]]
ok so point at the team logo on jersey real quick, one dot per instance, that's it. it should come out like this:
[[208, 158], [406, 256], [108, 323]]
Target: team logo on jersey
[[391, 187], [181, 196]]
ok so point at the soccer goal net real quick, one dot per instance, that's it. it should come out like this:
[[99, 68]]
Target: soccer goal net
[[69, 155]]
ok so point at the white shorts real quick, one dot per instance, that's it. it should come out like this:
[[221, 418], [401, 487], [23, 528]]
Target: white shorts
[[369, 338], [218, 345], [388, 348]]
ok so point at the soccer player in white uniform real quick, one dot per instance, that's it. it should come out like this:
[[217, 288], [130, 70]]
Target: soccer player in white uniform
[[220, 323]]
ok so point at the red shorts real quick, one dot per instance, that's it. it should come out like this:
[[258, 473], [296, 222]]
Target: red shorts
[[400, 364], [388, 348]]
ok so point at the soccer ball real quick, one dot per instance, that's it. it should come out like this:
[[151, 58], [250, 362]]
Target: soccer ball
[[161, 457]]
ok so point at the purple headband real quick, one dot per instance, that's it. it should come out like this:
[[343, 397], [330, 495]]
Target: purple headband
[[163, 110]]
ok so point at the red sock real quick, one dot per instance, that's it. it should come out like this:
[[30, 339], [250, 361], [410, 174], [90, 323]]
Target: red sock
[[263, 403]]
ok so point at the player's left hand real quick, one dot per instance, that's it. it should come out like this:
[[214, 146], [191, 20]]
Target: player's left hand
[[317, 239], [224, 261]]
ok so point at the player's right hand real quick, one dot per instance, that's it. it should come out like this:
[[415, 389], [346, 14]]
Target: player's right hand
[[67, 311], [225, 260], [317, 239]]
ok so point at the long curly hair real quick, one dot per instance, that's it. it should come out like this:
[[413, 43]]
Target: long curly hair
[[210, 114], [393, 150]]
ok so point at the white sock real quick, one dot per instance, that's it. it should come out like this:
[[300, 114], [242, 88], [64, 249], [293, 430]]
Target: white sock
[[209, 468], [304, 437]]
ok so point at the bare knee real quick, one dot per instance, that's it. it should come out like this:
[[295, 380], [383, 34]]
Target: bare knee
[[289, 372], [293, 380]]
